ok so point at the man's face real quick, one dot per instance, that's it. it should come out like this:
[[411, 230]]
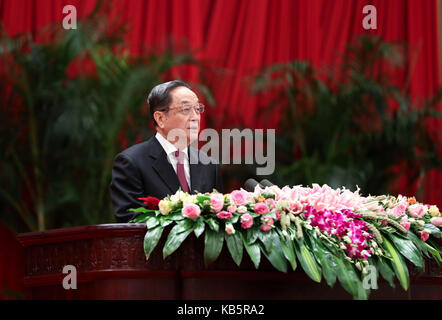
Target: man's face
[[187, 125]]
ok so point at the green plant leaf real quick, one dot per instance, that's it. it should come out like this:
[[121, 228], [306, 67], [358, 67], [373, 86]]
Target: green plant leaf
[[399, 266], [288, 249], [265, 238], [235, 246], [252, 234], [434, 231], [418, 243], [434, 251], [213, 245], [408, 250], [213, 225], [275, 256], [140, 218], [152, 222], [151, 240], [253, 250], [308, 261], [199, 226], [349, 279], [326, 260], [384, 268], [176, 236]]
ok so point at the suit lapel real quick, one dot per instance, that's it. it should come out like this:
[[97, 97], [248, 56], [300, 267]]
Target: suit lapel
[[162, 166]]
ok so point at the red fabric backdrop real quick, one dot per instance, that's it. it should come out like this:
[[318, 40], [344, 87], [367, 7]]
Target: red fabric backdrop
[[243, 36]]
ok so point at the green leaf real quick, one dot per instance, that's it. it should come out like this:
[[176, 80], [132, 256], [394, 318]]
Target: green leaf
[[252, 234], [384, 268], [176, 236], [198, 227], [201, 198], [288, 249], [434, 231], [399, 266], [213, 245], [253, 251], [141, 209], [275, 256], [152, 222], [214, 225], [307, 261], [408, 250], [349, 279], [418, 243], [165, 222], [434, 252], [151, 240], [266, 239], [326, 259], [140, 218], [235, 246]]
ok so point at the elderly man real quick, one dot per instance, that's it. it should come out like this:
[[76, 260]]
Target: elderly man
[[165, 162]]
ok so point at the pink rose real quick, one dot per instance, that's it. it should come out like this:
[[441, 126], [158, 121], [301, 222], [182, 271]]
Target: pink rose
[[239, 197], [246, 221], [216, 201], [224, 215], [261, 208], [437, 221], [231, 209], [278, 215], [268, 224], [400, 209], [424, 235], [417, 210], [406, 225], [191, 211], [271, 203], [230, 229]]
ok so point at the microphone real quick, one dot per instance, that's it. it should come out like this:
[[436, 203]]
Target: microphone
[[266, 183], [250, 185]]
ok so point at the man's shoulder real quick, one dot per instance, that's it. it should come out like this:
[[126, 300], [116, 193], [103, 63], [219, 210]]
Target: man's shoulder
[[138, 150]]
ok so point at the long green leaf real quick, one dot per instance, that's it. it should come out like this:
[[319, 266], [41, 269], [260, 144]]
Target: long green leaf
[[326, 259], [213, 245], [288, 250], [275, 256], [235, 246], [308, 262], [385, 270], [408, 250], [349, 279], [253, 251], [399, 266], [176, 236], [199, 227], [151, 240]]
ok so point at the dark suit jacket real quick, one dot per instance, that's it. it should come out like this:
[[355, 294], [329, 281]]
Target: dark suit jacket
[[143, 170]]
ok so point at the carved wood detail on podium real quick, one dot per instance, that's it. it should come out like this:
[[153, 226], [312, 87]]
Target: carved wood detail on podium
[[111, 264]]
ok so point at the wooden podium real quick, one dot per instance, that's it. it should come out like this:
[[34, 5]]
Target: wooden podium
[[111, 264]]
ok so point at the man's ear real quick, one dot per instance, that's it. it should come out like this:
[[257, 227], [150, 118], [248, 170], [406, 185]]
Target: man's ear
[[159, 118]]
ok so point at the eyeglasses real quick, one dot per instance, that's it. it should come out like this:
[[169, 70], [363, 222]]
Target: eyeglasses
[[186, 108]]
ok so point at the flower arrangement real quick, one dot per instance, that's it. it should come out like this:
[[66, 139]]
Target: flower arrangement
[[333, 233]]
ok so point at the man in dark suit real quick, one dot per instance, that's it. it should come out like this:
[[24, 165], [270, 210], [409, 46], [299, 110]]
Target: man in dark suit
[[165, 162]]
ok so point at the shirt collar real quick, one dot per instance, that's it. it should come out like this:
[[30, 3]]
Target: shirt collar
[[167, 146]]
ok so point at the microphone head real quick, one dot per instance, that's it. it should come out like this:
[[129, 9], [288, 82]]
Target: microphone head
[[250, 184], [266, 183]]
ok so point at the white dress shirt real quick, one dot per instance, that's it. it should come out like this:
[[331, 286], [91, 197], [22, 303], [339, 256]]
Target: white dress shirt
[[169, 148]]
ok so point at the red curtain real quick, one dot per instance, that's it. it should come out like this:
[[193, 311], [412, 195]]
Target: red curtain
[[243, 36]]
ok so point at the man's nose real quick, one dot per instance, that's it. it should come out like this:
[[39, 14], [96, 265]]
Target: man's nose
[[194, 114]]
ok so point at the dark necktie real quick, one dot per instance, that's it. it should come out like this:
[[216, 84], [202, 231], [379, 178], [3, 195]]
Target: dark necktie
[[180, 170]]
